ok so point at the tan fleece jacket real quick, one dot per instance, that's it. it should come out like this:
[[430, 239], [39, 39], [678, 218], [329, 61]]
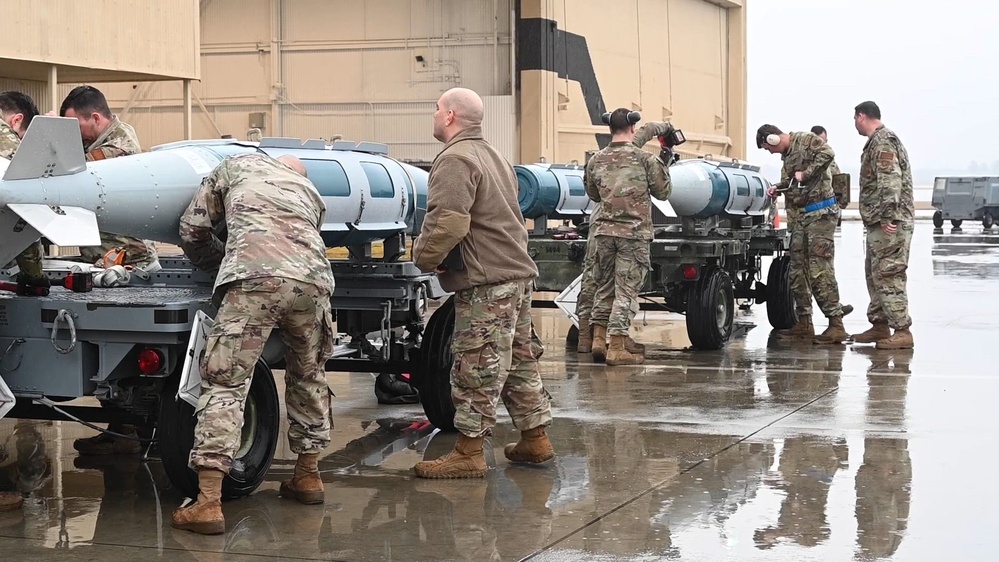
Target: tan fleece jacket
[[473, 215]]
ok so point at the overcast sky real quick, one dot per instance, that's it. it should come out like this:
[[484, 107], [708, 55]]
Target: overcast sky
[[932, 68]]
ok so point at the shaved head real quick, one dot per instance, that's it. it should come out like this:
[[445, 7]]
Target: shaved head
[[466, 105], [457, 109], [294, 163]]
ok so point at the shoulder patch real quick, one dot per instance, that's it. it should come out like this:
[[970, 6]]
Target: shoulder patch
[[885, 160]]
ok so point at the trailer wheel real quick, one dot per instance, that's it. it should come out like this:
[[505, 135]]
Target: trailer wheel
[[956, 223], [938, 219], [710, 309], [435, 376], [987, 220], [260, 433], [780, 298]]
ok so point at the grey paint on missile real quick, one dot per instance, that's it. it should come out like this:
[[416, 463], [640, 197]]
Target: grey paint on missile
[[49, 189]]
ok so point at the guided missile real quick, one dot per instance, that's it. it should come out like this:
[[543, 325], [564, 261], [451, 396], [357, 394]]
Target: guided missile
[[49, 189], [701, 189]]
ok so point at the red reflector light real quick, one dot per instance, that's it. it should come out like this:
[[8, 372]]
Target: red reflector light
[[689, 271], [150, 361]]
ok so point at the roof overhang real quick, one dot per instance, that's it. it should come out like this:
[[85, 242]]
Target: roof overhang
[[39, 71]]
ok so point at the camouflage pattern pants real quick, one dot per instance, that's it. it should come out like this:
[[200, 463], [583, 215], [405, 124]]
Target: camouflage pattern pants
[[587, 287], [496, 353], [621, 266], [886, 266], [249, 312], [137, 252], [799, 277], [30, 260], [812, 257]]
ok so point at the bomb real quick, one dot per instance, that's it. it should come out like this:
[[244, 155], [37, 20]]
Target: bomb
[[49, 189], [702, 188]]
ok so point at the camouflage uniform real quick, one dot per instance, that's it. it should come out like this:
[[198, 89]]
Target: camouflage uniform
[[274, 271], [886, 196], [621, 178], [798, 277], [28, 261], [118, 139], [812, 245], [587, 286], [8, 140], [496, 352]]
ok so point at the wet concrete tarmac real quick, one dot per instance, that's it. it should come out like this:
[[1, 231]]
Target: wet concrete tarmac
[[761, 451]]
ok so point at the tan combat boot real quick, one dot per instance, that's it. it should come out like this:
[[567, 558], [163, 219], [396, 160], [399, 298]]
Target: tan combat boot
[[533, 447], [599, 349], [834, 334], [585, 342], [901, 339], [879, 331], [9, 501], [632, 346], [306, 486], [802, 330], [618, 355], [465, 461], [205, 516]]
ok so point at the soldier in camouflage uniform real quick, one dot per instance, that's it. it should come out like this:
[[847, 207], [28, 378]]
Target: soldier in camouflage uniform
[[105, 136], [587, 285], [622, 178], [272, 271], [806, 164], [842, 198], [888, 212], [475, 239], [16, 112], [824, 135], [799, 278]]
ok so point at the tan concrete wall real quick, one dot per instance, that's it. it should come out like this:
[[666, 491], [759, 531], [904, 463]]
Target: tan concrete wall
[[681, 60], [138, 37], [320, 68]]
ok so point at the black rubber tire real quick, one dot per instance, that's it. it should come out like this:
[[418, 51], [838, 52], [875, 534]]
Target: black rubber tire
[[988, 220], [712, 295], [780, 298], [175, 436], [435, 375], [938, 219], [956, 223]]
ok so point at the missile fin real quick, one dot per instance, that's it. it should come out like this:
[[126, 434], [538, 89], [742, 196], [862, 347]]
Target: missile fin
[[664, 207], [15, 235], [64, 226], [51, 147], [7, 399]]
